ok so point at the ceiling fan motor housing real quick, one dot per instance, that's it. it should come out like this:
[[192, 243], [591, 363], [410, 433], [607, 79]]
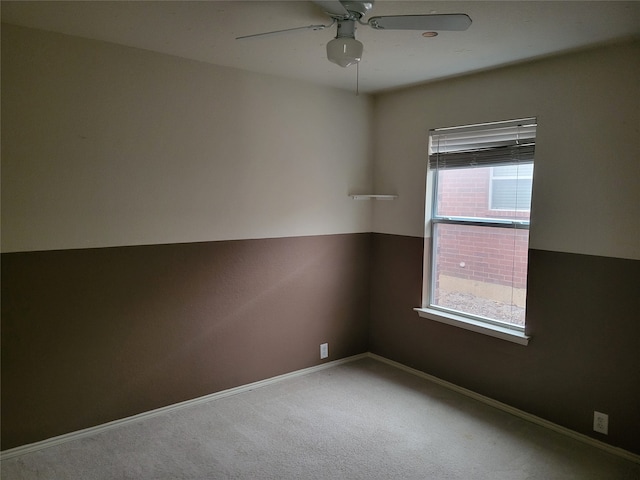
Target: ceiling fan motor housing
[[358, 9]]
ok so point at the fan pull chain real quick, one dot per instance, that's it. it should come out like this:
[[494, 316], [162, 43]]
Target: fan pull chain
[[357, 79]]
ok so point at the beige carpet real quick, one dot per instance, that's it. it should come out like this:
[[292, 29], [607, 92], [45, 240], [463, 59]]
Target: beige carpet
[[360, 420]]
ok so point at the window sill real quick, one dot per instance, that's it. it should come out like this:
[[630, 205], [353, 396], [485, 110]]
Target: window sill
[[474, 325]]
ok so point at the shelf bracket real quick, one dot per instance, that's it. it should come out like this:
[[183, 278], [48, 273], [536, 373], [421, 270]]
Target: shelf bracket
[[374, 197]]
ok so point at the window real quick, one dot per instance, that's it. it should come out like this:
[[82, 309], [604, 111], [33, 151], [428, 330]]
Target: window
[[511, 187], [482, 181]]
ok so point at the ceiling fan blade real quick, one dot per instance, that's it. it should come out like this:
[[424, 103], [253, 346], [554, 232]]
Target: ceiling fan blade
[[451, 21], [286, 30], [333, 7]]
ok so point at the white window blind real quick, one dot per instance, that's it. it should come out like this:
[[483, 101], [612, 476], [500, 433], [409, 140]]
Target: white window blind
[[483, 145]]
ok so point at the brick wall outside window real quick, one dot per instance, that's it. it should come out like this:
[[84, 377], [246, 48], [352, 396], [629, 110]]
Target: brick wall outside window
[[487, 254]]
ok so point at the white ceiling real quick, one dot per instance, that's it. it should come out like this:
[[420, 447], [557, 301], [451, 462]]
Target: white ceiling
[[502, 32]]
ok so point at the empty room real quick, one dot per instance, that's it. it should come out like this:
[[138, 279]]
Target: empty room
[[331, 239]]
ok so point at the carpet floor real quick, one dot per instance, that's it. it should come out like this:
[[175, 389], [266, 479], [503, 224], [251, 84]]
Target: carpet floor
[[359, 420]]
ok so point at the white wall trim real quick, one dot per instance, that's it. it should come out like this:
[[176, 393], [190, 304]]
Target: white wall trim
[[68, 437], [514, 411], [87, 432]]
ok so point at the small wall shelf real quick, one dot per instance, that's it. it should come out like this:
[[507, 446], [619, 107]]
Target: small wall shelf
[[374, 197]]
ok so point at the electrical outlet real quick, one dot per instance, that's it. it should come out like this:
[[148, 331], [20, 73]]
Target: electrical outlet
[[601, 422], [324, 350]]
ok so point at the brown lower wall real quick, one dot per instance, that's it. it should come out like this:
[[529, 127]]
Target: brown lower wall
[[90, 336], [584, 317]]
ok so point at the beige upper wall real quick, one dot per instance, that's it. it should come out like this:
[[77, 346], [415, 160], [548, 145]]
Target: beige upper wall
[[586, 195], [104, 145]]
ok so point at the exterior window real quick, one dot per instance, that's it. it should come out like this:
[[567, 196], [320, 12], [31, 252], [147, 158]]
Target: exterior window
[[482, 183], [511, 187]]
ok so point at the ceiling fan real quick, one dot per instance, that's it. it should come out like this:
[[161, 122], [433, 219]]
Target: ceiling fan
[[345, 50]]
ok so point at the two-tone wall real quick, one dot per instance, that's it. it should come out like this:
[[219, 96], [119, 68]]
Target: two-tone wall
[[583, 309], [169, 229]]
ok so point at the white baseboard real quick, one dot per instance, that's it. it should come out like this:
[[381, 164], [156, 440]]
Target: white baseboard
[[514, 411], [68, 437]]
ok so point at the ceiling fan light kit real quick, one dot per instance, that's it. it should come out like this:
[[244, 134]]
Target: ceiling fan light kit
[[345, 50]]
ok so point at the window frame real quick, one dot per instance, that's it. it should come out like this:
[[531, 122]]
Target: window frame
[[488, 326]]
